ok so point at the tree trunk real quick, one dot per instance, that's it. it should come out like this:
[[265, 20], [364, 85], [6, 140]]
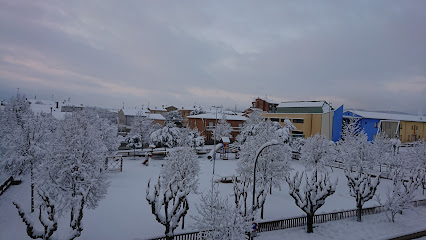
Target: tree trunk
[[183, 222], [310, 222], [358, 212], [261, 212], [32, 187], [169, 236]]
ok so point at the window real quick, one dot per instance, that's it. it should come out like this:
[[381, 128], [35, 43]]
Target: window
[[210, 124], [275, 119], [298, 120], [297, 132]]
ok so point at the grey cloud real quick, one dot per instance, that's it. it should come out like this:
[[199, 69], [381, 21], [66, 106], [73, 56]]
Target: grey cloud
[[348, 51]]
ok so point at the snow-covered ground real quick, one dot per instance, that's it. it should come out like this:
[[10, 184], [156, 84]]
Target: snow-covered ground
[[372, 227], [125, 213]]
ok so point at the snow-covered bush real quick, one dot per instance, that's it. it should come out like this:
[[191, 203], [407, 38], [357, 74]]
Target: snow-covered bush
[[310, 196], [168, 136]]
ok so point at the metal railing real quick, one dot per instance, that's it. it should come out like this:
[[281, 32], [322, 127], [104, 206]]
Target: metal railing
[[299, 221]]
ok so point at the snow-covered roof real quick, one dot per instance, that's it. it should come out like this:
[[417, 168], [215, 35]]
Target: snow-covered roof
[[158, 109], [134, 111], [219, 116], [46, 106], [225, 140], [268, 100], [388, 116], [155, 116], [299, 104]]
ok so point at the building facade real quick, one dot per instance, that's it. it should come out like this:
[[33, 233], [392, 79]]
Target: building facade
[[407, 128], [309, 117], [265, 104], [206, 123]]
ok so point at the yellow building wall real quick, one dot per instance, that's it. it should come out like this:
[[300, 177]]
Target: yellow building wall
[[408, 129], [327, 125], [312, 123]]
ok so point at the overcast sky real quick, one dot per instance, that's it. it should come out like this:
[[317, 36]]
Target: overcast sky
[[363, 54]]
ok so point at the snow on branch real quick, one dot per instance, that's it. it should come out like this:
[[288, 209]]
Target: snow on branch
[[46, 218], [312, 195], [402, 192], [362, 187], [168, 205]]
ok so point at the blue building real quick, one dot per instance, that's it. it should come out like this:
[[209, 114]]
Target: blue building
[[369, 125], [407, 128]]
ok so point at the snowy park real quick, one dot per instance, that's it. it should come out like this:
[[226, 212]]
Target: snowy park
[[70, 181], [125, 214]]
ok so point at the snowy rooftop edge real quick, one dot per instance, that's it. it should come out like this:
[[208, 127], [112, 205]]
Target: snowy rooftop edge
[[388, 116], [219, 116], [302, 104]]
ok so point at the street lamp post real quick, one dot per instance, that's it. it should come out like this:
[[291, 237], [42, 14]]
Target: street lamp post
[[259, 151], [214, 139]]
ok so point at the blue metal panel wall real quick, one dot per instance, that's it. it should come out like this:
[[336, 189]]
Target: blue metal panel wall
[[337, 124], [370, 127]]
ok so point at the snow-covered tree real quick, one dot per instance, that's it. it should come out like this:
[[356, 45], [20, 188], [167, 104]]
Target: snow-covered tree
[[272, 165], [222, 129], [168, 204], [317, 153], [362, 187], [142, 126], [46, 216], [168, 136], [134, 142], [354, 150], [73, 174], [182, 168], [296, 144], [218, 219], [197, 110], [402, 192], [25, 140], [174, 117], [196, 139], [311, 196], [108, 133], [383, 147]]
